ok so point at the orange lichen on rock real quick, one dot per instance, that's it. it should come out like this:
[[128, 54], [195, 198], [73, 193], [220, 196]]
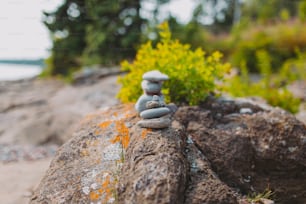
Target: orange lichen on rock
[[129, 115], [122, 128], [105, 192], [144, 132], [116, 139], [97, 132], [89, 118], [106, 183], [123, 134], [94, 196], [105, 124], [125, 141]]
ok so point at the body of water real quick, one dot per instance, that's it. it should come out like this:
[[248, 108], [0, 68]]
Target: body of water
[[10, 72]]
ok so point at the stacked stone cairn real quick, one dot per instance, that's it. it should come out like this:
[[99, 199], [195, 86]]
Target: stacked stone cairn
[[151, 106]]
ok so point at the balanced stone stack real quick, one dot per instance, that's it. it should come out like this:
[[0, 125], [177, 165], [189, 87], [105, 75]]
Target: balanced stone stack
[[151, 105]]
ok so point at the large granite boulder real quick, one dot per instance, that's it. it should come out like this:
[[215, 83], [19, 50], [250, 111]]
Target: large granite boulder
[[218, 152]]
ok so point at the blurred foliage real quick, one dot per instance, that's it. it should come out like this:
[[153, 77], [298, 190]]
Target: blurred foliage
[[280, 40], [263, 11], [220, 15], [67, 26], [93, 32], [107, 31], [270, 40], [192, 74], [256, 36], [196, 35], [302, 10], [270, 86], [115, 31], [294, 69]]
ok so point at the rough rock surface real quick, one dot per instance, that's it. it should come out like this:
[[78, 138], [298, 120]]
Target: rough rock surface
[[214, 153], [155, 170], [251, 152], [85, 168], [204, 185]]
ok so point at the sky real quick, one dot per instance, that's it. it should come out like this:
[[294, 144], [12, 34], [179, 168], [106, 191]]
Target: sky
[[24, 36], [22, 33]]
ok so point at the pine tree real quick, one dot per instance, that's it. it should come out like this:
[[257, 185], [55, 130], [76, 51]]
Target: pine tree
[[68, 28], [115, 31]]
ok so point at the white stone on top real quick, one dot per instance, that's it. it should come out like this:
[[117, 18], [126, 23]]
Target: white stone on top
[[155, 75]]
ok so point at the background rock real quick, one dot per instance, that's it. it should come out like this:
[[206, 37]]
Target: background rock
[[47, 111], [93, 74], [36, 116], [20, 179]]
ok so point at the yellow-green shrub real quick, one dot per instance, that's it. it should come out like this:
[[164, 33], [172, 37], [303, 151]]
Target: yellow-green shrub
[[192, 74]]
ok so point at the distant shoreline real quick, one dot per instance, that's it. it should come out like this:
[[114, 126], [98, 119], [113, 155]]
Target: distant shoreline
[[37, 62]]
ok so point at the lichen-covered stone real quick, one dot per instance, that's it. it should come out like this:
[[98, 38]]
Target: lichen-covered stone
[[85, 169]]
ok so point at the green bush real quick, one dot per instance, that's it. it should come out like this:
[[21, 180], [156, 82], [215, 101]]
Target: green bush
[[192, 74], [280, 41], [294, 69], [302, 10], [269, 87]]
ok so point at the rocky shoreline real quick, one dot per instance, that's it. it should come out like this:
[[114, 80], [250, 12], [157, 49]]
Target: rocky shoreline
[[39, 112], [16, 153]]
